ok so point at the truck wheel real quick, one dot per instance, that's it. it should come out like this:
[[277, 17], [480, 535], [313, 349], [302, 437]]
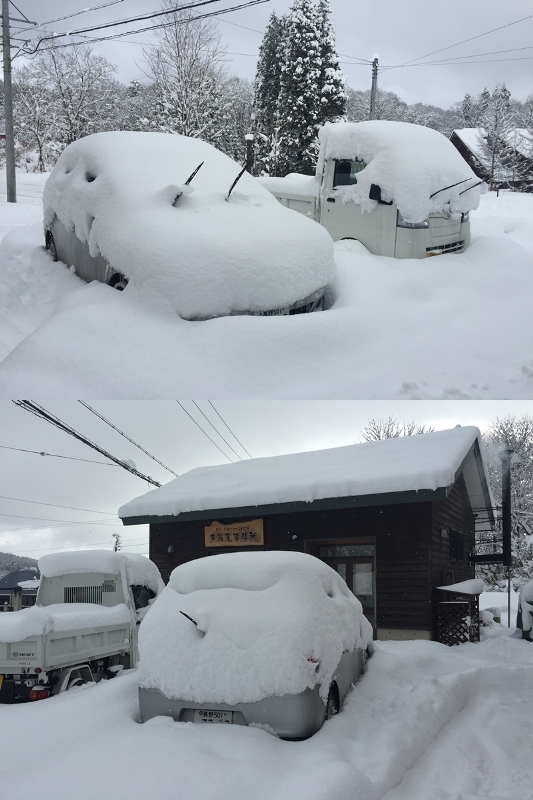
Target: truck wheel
[[118, 282]]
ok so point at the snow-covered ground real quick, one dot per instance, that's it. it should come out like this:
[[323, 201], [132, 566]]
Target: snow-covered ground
[[426, 722], [452, 327]]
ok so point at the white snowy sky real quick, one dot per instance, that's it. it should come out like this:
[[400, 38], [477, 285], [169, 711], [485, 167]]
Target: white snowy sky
[[264, 428], [396, 31]]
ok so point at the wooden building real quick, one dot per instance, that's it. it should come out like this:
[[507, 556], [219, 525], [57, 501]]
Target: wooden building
[[396, 518]]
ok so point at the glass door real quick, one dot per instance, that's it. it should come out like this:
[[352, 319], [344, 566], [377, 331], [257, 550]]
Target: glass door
[[355, 565]]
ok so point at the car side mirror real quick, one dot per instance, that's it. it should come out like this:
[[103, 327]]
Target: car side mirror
[[375, 194]]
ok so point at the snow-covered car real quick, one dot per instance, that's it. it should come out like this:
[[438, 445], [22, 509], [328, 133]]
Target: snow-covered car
[[267, 639], [156, 210]]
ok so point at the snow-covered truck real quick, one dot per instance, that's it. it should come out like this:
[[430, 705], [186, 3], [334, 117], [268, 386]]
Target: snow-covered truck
[[83, 626], [402, 190]]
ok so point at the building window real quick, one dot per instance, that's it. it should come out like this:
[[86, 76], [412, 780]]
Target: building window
[[457, 546]]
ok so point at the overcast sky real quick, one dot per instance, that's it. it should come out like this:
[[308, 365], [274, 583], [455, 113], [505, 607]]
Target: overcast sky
[[164, 429], [395, 30]]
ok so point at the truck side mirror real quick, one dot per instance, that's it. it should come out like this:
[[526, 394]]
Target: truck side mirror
[[375, 194]]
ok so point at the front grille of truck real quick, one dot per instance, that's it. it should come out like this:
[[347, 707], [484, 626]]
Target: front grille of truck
[[453, 247], [82, 594]]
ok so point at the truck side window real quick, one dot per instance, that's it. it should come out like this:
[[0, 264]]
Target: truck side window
[[346, 172], [141, 596]]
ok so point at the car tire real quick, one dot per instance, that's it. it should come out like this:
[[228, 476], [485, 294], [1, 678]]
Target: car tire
[[332, 704], [118, 282], [51, 247]]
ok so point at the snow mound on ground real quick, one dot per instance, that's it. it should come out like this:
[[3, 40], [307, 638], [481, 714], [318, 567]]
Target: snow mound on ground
[[137, 570], [264, 622], [409, 162], [210, 257]]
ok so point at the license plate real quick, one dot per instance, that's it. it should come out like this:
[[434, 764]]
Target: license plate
[[203, 715]]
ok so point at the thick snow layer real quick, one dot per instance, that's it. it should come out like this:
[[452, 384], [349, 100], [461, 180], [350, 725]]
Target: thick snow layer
[[426, 722], [409, 162], [31, 584], [427, 461], [208, 257], [293, 184], [474, 586], [40, 620], [264, 621], [387, 334], [137, 569]]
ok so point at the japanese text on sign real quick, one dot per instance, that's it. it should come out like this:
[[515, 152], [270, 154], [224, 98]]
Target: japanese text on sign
[[236, 534]]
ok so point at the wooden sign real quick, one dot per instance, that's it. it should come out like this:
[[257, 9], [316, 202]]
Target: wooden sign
[[236, 534]]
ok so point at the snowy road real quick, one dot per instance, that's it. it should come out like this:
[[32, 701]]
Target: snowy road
[[437, 328], [426, 722]]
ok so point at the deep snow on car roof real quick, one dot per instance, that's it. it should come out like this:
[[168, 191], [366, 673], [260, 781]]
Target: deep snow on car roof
[[209, 256], [264, 621]]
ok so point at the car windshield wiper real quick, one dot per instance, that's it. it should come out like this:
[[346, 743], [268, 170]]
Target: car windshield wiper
[[200, 631], [450, 187], [237, 179], [472, 187], [187, 182]]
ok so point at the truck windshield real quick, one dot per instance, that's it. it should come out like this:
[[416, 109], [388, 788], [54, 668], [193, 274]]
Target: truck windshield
[[346, 172]]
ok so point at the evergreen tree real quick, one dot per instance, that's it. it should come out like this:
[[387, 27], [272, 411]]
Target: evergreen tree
[[496, 123], [266, 93], [299, 97], [332, 82]]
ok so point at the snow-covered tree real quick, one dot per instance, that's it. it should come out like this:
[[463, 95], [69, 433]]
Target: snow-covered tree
[[497, 124], [237, 97], [332, 83], [266, 93], [186, 69], [388, 106], [392, 428], [515, 433]]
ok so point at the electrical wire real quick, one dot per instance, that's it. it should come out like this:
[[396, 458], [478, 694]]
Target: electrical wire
[[131, 543], [20, 12], [41, 412], [229, 429], [463, 41], [149, 28], [52, 505], [205, 434], [43, 519], [78, 13], [356, 58], [55, 455], [216, 430], [59, 525], [92, 410], [462, 63]]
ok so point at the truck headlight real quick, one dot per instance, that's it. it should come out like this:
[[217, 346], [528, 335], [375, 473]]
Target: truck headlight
[[403, 224]]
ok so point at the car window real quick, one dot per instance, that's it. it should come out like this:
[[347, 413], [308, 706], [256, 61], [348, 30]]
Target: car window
[[141, 596], [346, 172]]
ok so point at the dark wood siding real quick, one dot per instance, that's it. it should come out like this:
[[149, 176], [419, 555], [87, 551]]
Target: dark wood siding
[[453, 514]]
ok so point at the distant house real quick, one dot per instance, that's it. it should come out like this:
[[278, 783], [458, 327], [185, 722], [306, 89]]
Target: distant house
[[520, 141], [395, 518], [18, 589]]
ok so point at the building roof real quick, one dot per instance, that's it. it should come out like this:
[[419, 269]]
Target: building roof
[[12, 579], [405, 469]]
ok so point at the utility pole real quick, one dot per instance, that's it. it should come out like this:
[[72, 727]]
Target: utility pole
[[8, 107], [374, 89]]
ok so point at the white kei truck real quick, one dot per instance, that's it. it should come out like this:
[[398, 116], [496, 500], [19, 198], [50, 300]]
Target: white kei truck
[[402, 190], [83, 626]]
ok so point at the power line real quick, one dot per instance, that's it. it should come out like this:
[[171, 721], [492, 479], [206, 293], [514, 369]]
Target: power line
[[43, 519], [53, 505], [356, 58], [460, 63], [149, 28], [41, 412], [216, 430], [110, 521], [463, 41], [77, 13], [477, 55], [131, 543], [205, 434], [87, 406], [229, 429], [55, 455]]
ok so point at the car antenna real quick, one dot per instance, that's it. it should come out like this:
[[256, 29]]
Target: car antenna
[[237, 179], [187, 182]]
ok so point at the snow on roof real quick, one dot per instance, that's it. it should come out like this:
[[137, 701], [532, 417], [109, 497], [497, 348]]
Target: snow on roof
[[207, 256], [40, 620], [473, 586], [32, 584], [409, 162], [471, 137], [520, 139], [264, 621], [427, 461], [137, 569]]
